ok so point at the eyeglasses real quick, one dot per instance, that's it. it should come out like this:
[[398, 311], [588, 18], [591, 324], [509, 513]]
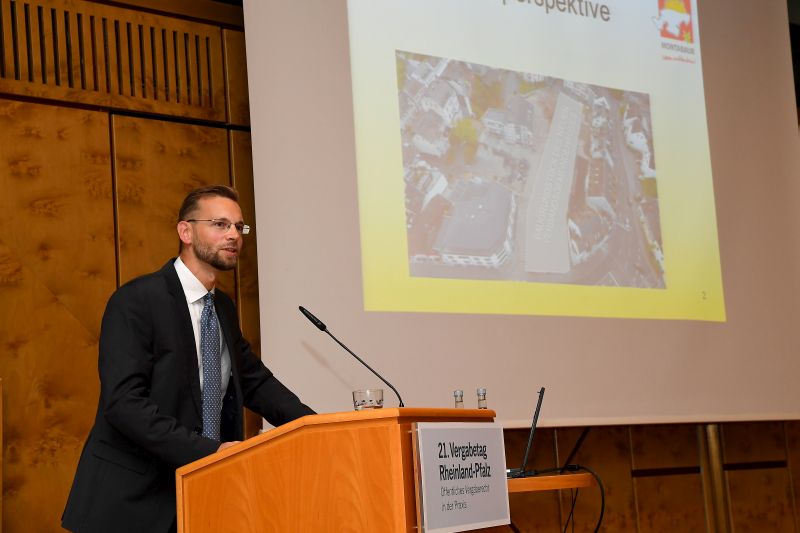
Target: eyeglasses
[[223, 225]]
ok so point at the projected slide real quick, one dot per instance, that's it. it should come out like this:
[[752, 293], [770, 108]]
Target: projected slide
[[534, 157], [520, 176]]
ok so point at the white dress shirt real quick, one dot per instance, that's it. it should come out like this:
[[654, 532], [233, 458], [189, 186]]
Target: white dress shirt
[[195, 291]]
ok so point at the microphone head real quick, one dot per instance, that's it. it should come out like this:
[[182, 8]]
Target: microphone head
[[314, 320]]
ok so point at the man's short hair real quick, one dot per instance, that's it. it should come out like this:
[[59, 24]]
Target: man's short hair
[[193, 198], [189, 204]]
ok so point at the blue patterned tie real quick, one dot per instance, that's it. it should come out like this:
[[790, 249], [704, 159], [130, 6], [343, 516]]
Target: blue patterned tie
[[212, 372]]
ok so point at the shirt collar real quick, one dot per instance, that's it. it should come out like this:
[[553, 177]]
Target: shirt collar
[[192, 287]]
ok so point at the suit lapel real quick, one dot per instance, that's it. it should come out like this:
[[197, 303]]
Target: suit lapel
[[185, 333]]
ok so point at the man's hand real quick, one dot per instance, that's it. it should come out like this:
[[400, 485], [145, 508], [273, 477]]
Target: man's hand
[[227, 445]]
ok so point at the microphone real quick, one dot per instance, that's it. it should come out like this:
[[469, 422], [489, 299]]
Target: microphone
[[314, 320], [322, 327]]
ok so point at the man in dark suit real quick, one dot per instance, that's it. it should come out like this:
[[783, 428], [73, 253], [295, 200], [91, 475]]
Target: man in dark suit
[[175, 372]]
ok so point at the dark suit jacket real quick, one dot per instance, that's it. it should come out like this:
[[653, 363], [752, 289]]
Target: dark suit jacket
[[149, 419]]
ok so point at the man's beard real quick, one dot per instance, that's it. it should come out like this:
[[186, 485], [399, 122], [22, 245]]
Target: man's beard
[[214, 258]]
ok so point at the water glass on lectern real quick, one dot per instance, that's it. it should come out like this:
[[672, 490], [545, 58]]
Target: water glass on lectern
[[367, 399]]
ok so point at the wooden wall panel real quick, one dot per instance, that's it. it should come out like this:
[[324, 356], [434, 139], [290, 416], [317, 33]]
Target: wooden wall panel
[[761, 495], [670, 503], [664, 446], [8, 66], [667, 482], [57, 269], [1, 455], [238, 99], [749, 442], [607, 451], [157, 163], [247, 274], [93, 54], [792, 430], [762, 477], [241, 151], [208, 10], [533, 511], [760, 500], [56, 213], [49, 370]]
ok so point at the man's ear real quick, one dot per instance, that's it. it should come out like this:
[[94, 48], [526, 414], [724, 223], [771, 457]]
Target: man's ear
[[185, 232]]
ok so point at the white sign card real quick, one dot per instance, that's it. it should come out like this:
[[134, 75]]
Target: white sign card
[[461, 476]]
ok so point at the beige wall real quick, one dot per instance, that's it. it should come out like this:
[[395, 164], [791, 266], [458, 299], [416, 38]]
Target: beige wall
[[653, 481]]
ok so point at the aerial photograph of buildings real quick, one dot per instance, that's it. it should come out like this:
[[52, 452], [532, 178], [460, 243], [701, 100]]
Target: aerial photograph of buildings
[[524, 177]]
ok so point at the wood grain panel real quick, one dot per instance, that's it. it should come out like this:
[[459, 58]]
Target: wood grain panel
[[247, 273], [47, 63], [49, 369], [18, 29], [201, 66], [127, 80], [551, 481], [667, 501], [157, 163], [192, 85], [112, 56], [159, 67], [1, 454], [57, 245], [761, 500], [352, 468], [84, 70], [533, 511], [95, 51], [336, 487], [792, 430], [745, 442], [670, 503], [179, 60], [35, 43], [57, 269], [172, 79], [664, 446], [607, 451], [209, 10], [100, 55], [73, 46], [7, 56], [56, 214], [60, 46], [147, 37], [236, 76], [543, 452]]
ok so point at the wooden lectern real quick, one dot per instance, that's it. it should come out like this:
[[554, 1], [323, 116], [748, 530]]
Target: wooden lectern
[[350, 471]]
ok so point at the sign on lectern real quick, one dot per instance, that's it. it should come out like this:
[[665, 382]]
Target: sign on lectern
[[460, 471]]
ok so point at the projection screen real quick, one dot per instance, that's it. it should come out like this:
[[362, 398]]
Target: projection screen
[[596, 197]]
